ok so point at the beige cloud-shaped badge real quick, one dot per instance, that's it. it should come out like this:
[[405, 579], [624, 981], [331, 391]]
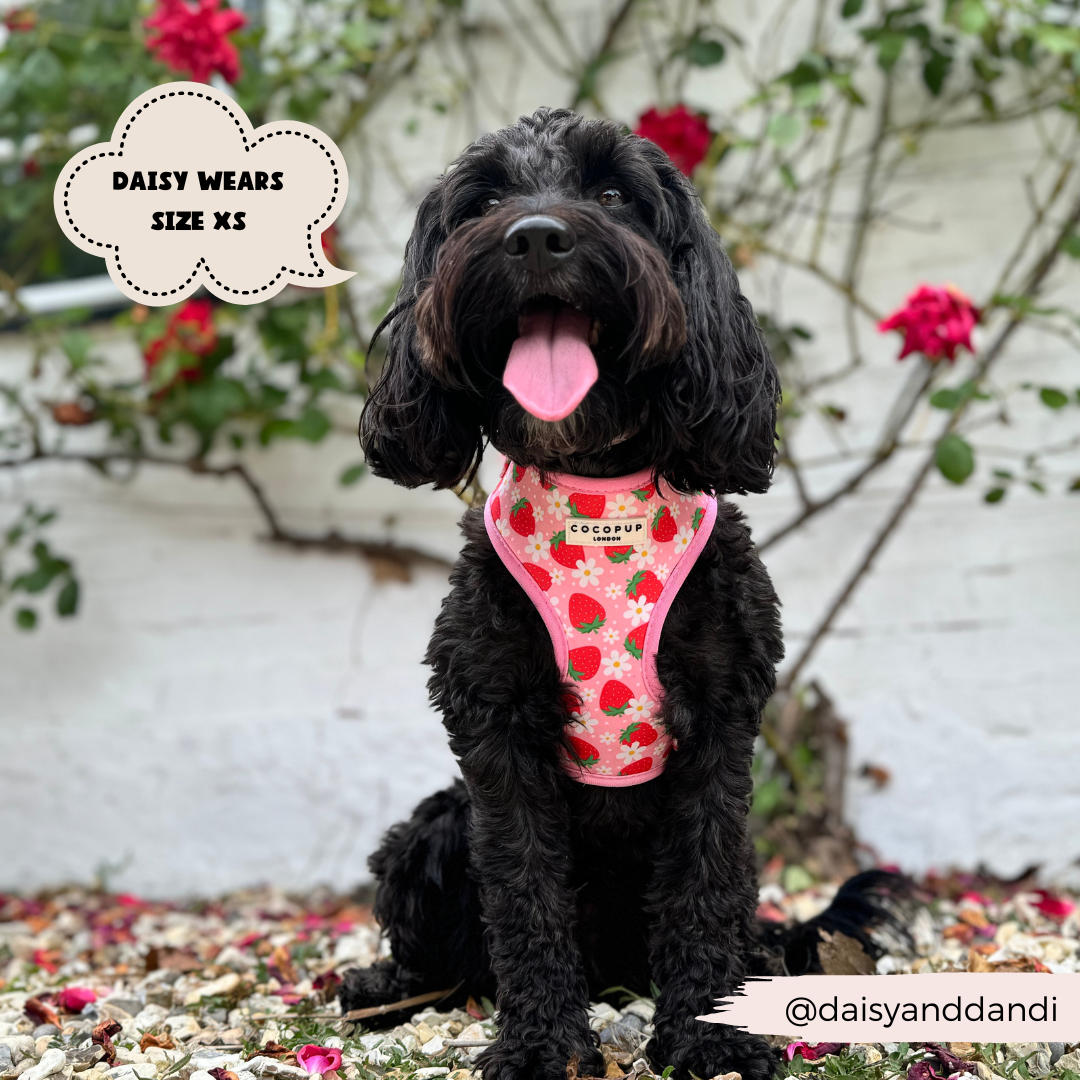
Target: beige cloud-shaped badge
[[188, 193]]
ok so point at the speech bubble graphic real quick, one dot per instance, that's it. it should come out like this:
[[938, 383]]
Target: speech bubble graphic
[[188, 193]]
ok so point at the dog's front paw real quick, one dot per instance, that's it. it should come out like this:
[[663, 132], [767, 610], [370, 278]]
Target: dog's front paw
[[548, 1059], [713, 1052]]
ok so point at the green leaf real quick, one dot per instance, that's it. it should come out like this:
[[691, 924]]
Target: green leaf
[[1053, 398], [890, 46], [313, 425], [67, 602], [851, 8], [350, 475], [1071, 245], [1056, 38], [995, 495], [971, 16], [703, 52], [789, 178], [935, 71], [784, 129], [955, 458], [26, 618], [947, 399], [1075, 485], [77, 345]]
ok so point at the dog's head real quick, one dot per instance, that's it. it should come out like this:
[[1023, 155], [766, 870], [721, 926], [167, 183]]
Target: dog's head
[[565, 297]]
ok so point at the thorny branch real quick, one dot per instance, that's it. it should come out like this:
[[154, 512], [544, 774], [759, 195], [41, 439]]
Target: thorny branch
[[899, 511]]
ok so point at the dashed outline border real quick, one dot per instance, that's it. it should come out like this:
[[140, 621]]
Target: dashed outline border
[[202, 262]]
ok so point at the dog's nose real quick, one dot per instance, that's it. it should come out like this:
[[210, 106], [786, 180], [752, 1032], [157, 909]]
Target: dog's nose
[[540, 242]]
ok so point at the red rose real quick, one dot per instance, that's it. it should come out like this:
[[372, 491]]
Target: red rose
[[190, 329], [683, 135], [936, 321], [20, 20], [193, 40]]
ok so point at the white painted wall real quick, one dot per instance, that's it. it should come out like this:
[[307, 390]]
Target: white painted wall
[[223, 712]]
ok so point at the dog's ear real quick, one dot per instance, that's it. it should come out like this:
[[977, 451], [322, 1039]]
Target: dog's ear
[[414, 430], [720, 394]]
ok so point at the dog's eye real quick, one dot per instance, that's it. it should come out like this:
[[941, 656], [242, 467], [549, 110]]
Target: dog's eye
[[489, 204], [611, 196]]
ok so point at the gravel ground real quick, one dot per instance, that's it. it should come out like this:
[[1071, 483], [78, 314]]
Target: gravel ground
[[230, 988]]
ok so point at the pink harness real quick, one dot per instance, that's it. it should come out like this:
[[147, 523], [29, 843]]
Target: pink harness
[[602, 561]]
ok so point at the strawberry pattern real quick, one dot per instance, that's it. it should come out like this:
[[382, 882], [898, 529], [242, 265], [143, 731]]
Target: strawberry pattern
[[604, 606]]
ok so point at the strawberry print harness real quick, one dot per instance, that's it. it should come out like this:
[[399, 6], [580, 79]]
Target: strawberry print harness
[[602, 561]]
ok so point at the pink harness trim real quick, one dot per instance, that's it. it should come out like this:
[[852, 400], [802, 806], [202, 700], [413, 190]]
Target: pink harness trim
[[626, 742]]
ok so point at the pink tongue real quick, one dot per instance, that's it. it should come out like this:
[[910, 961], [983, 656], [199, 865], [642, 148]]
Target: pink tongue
[[551, 366]]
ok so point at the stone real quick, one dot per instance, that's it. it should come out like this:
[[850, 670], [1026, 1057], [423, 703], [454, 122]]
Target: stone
[[601, 1015], [1037, 1057], [226, 986], [1057, 1051], [728, 1076], [473, 1033], [52, 1061], [84, 1057], [642, 1008], [433, 1046], [45, 1029], [434, 1070], [7, 1062], [181, 1026], [124, 1056], [622, 1036], [1069, 1061], [424, 1032], [150, 1017], [866, 1051], [119, 1008], [21, 1046], [264, 1066], [25, 1065], [41, 1044], [142, 1071], [160, 995]]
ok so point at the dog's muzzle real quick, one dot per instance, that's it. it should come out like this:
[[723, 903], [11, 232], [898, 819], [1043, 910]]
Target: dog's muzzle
[[541, 242]]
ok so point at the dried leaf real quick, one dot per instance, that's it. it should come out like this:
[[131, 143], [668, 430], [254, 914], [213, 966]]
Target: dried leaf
[[281, 960], [40, 1012], [474, 1010], [842, 955], [102, 1036], [274, 1050], [164, 1042], [571, 1065]]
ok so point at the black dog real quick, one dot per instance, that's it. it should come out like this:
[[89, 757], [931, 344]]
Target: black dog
[[522, 881]]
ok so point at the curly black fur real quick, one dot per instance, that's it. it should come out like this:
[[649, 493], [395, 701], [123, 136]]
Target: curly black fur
[[520, 881]]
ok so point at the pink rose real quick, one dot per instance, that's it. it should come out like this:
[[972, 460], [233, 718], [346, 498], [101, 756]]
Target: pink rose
[[1053, 906], [318, 1059], [935, 320], [75, 998]]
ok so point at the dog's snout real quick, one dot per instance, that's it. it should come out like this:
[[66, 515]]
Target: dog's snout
[[540, 242]]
